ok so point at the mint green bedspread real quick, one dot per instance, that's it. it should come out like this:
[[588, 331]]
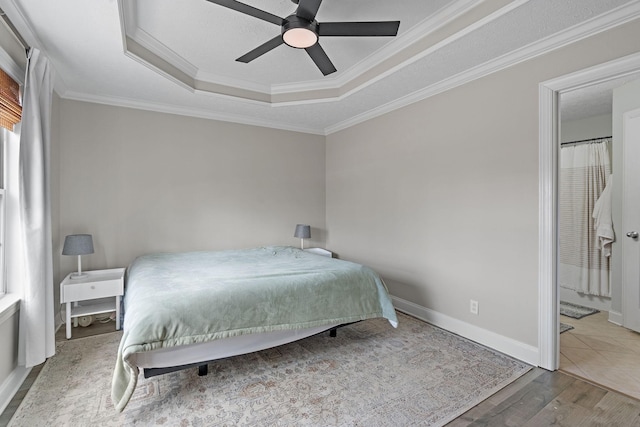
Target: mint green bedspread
[[174, 299]]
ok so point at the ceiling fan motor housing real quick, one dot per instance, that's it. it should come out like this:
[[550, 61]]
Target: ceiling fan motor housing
[[302, 33], [301, 30]]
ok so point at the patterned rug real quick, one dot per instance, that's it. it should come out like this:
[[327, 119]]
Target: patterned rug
[[576, 311], [369, 375], [565, 327]]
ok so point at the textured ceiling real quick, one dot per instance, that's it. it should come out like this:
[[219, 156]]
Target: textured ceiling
[[179, 57], [590, 101], [227, 34]]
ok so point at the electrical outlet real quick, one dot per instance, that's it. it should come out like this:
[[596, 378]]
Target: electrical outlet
[[473, 307]]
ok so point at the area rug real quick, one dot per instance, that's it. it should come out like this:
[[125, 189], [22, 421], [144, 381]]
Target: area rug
[[576, 311], [369, 375], [565, 327]]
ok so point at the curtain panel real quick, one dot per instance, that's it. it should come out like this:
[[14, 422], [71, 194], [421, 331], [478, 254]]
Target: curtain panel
[[37, 332], [584, 262]]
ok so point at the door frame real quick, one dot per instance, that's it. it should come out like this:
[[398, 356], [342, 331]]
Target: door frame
[[548, 155]]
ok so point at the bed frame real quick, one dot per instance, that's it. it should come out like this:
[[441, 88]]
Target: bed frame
[[203, 368], [354, 292]]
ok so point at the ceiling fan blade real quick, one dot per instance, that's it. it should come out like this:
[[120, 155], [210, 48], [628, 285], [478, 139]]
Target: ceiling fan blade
[[261, 50], [249, 10], [361, 29], [321, 59], [308, 9]]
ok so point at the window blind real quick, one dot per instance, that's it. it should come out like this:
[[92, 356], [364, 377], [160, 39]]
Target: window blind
[[10, 109]]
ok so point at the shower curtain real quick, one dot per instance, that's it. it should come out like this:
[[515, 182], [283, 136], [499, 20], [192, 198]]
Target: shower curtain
[[585, 170]]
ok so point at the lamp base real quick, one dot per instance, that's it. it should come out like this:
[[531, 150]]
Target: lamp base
[[79, 275]]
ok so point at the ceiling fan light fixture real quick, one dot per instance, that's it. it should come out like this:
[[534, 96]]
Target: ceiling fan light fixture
[[299, 33], [300, 38]]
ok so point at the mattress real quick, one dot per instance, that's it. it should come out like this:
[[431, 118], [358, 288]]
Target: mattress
[[173, 300]]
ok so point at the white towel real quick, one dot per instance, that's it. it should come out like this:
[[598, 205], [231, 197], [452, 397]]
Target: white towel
[[603, 223]]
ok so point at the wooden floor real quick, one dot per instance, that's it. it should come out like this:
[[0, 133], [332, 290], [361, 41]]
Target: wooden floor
[[538, 398], [543, 398]]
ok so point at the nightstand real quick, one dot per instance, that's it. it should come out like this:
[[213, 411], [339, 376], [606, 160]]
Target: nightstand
[[96, 284], [320, 251]]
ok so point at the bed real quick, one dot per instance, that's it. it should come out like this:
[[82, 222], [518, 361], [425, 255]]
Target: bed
[[185, 309]]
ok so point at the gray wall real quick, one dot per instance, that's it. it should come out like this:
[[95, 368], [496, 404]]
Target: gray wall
[[590, 127], [441, 196], [145, 182]]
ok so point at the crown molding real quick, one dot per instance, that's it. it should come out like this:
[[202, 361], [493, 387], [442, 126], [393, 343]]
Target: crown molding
[[184, 111], [604, 22], [131, 31], [414, 58], [154, 46], [144, 48], [609, 20], [393, 48]]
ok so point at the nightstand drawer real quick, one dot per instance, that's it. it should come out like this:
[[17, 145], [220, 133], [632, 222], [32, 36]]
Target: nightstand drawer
[[85, 291]]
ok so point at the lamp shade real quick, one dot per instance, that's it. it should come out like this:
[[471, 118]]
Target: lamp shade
[[78, 244], [302, 231]]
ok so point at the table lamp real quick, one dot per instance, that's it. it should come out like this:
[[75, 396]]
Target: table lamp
[[78, 244], [303, 232]]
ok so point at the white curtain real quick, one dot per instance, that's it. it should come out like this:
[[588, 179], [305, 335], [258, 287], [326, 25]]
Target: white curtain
[[584, 172], [37, 333]]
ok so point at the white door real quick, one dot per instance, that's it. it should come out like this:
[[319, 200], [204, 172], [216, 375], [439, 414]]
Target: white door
[[631, 220]]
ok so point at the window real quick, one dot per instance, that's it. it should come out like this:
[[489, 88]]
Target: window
[[9, 205], [10, 109], [10, 116], [3, 168]]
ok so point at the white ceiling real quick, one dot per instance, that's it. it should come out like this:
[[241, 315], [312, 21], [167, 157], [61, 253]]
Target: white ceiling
[[179, 56], [590, 101], [217, 36]]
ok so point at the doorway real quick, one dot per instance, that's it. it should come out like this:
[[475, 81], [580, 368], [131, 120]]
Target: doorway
[[549, 93], [595, 347]]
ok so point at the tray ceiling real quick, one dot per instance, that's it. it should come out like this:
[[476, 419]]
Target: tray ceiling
[[179, 57]]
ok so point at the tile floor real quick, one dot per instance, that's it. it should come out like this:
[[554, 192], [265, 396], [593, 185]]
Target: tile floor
[[602, 353]]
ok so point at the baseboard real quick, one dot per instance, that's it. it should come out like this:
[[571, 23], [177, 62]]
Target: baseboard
[[615, 317], [11, 385], [508, 346]]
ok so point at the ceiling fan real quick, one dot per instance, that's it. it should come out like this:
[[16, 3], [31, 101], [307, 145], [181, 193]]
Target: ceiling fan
[[301, 30]]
